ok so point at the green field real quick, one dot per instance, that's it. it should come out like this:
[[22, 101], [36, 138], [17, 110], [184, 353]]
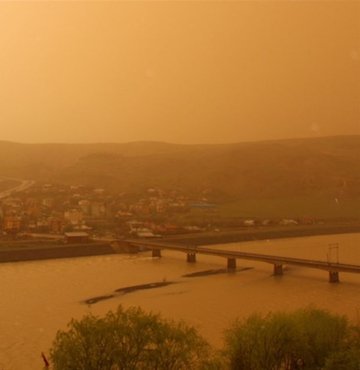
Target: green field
[[301, 207]]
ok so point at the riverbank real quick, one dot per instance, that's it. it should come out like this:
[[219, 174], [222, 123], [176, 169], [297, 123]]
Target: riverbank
[[43, 251], [16, 251], [263, 233]]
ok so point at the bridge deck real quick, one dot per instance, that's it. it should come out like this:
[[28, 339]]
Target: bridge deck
[[276, 260]]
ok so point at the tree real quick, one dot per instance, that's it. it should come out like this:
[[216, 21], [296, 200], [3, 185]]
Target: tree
[[320, 334], [348, 359], [129, 340], [259, 343], [304, 339], [348, 356]]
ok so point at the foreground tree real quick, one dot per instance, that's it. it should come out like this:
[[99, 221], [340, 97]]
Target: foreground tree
[[308, 339], [348, 356], [129, 340], [348, 359]]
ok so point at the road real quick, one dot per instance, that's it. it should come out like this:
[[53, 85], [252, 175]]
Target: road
[[25, 184]]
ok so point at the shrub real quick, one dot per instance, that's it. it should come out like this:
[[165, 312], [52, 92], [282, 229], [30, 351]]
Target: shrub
[[304, 339], [129, 339]]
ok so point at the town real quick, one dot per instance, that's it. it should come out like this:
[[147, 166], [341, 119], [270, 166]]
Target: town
[[56, 209]]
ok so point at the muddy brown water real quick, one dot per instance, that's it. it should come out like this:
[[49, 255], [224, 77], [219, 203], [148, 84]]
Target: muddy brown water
[[40, 297]]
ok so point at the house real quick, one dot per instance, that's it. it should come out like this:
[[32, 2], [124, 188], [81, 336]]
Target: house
[[249, 223], [76, 237], [12, 224], [288, 222], [145, 233], [74, 216]]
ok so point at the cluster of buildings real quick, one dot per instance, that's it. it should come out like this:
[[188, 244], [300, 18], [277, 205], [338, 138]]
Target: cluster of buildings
[[56, 209]]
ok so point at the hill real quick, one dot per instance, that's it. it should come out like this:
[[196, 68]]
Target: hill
[[321, 168]]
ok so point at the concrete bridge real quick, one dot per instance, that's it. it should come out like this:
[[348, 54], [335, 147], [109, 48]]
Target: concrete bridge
[[277, 261]]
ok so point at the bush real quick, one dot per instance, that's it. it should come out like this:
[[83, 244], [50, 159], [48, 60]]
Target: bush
[[308, 339], [305, 339], [129, 339], [348, 359]]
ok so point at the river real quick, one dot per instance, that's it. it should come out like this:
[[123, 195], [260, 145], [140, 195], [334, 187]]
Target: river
[[40, 297]]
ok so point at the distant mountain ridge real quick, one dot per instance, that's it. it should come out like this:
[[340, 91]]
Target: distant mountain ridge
[[328, 166]]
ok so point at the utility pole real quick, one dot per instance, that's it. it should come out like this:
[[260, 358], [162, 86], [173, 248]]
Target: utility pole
[[333, 251]]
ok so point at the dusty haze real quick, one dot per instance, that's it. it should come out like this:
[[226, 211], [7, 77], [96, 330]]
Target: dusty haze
[[183, 72]]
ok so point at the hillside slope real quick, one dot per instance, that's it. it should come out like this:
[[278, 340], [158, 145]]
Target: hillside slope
[[300, 167]]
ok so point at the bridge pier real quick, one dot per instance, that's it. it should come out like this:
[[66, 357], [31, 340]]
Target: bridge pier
[[191, 257], [334, 276], [156, 252], [231, 264], [278, 269], [333, 268]]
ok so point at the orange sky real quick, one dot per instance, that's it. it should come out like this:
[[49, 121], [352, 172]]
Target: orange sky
[[184, 72]]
